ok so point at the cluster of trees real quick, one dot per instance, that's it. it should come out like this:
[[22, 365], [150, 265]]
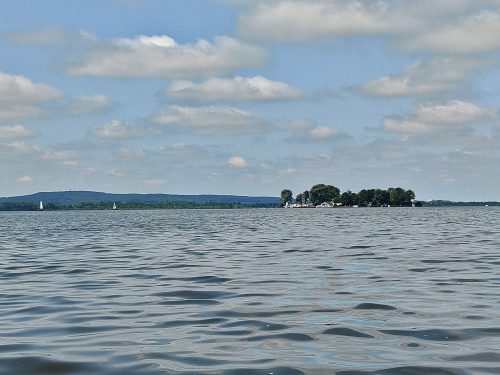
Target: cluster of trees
[[367, 197]]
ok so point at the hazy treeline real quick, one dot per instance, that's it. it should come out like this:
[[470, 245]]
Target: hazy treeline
[[443, 203], [29, 206]]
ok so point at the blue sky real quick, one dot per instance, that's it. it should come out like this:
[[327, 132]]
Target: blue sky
[[250, 97]]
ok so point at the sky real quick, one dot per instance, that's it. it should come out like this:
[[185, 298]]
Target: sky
[[249, 97]]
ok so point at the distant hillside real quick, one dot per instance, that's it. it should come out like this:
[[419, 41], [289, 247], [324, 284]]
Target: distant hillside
[[75, 197]]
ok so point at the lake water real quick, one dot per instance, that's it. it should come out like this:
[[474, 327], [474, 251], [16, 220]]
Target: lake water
[[386, 291]]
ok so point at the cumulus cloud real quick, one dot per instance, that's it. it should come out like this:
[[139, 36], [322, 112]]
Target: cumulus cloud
[[21, 98], [238, 161], [237, 89], [430, 118], [87, 104], [15, 89], [212, 120], [117, 130], [16, 150], [157, 56], [15, 132], [444, 26], [475, 33], [424, 78], [303, 20], [304, 130], [323, 132], [453, 112]]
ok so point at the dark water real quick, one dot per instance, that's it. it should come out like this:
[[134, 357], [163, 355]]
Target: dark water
[[325, 291]]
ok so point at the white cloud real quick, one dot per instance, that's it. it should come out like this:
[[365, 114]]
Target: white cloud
[[238, 89], [157, 56], [17, 150], [238, 161], [25, 180], [453, 112], [323, 132], [301, 20], [406, 126], [117, 130], [145, 40], [86, 104], [475, 33], [423, 78], [21, 98], [19, 89], [15, 131], [212, 120], [443, 26], [304, 130], [430, 118]]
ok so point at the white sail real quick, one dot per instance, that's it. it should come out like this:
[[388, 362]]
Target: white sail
[[114, 206], [40, 207]]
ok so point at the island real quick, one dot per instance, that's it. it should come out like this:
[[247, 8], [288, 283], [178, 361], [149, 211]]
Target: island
[[323, 195]]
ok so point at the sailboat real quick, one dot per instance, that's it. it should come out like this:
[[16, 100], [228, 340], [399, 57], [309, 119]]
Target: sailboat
[[114, 206], [40, 206]]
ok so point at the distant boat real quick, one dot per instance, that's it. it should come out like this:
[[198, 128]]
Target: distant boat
[[114, 206], [40, 206]]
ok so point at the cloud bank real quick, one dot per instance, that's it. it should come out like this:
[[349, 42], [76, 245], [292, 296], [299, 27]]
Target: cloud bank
[[161, 56], [430, 118], [211, 120], [237, 89]]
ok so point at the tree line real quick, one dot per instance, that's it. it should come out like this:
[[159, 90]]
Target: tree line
[[321, 193], [31, 206]]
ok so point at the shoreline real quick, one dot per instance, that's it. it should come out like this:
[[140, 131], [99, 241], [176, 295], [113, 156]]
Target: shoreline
[[128, 207]]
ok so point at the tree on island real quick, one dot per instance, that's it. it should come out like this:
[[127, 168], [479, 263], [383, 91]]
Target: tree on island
[[381, 197], [401, 197], [348, 198], [323, 193], [365, 197], [302, 197], [299, 198], [306, 195], [286, 196]]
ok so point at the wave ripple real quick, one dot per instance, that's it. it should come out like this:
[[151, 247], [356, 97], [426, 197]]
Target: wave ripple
[[251, 292]]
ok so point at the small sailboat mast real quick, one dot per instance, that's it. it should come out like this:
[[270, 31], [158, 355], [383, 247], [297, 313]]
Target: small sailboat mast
[[114, 206], [40, 206]]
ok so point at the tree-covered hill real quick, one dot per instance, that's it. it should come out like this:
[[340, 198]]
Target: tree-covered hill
[[76, 197]]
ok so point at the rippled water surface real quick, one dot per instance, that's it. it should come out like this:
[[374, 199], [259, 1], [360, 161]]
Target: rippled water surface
[[263, 291]]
